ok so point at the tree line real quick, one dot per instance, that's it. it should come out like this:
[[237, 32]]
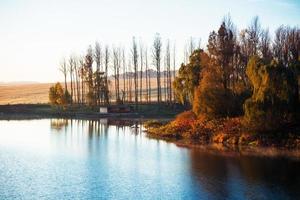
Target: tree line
[[106, 75], [239, 72]]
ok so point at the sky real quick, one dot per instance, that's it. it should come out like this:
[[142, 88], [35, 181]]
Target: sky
[[36, 34]]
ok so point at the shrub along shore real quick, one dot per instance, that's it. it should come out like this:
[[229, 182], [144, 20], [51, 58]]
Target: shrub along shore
[[188, 130]]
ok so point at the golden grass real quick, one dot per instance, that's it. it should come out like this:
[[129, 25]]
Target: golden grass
[[24, 93], [38, 92]]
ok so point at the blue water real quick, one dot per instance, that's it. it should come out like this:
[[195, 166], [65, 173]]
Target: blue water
[[80, 159]]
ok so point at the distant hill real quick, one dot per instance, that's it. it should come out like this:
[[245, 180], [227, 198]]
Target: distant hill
[[152, 73], [18, 83]]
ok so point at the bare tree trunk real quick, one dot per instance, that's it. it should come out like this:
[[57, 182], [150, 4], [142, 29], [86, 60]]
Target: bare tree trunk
[[141, 73], [130, 82], [124, 76], [98, 59], [77, 81], [106, 58], [146, 74], [71, 62], [168, 62], [174, 70], [157, 58], [135, 65], [64, 70]]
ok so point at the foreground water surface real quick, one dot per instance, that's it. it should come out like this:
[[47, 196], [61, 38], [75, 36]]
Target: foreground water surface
[[81, 159]]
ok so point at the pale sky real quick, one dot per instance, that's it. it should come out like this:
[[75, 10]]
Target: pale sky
[[36, 34]]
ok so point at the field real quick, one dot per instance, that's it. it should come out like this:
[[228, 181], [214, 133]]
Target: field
[[32, 93], [24, 93]]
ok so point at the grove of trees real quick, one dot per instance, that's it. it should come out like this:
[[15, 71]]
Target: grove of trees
[[240, 72]]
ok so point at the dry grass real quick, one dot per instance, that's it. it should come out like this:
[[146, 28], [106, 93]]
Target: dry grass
[[38, 92], [24, 93]]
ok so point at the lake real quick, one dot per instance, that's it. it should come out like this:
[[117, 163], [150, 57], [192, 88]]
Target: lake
[[81, 159]]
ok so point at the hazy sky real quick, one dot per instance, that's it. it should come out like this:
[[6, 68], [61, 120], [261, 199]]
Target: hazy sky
[[35, 34]]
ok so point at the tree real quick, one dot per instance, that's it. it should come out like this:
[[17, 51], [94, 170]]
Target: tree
[[116, 66], [88, 67], [168, 72], [71, 70], [275, 97], [63, 68], [98, 60], [57, 96], [141, 72], [135, 66], [157, 45], [210, 96], [146, 74], [189, 76], [221, 48], [106, 63], [77, 72]]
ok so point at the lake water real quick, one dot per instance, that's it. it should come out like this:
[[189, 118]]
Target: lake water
[[80, 159]]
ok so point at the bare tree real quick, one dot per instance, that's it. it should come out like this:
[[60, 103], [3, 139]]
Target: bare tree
[[146, 74], [71, 70], [174, 68], [124, 76], [106, 63], [141, 72], [98, 60], [63, 68], [265, 45], [254, 32], [168, 71], [82, 76], [77, 79], [130, 81], [157, 45], [135, 66], [116, 64]]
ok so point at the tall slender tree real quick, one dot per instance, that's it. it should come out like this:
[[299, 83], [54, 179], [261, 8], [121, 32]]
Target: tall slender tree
[[141, 72], [157, 45], [63, 68], [135, 66]]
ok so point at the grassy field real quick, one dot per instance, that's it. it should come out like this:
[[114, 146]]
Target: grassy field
[[24, 93], [34, 93]]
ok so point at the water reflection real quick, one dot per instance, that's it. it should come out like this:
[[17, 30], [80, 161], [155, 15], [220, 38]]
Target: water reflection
[[245, 176], [112, 159]]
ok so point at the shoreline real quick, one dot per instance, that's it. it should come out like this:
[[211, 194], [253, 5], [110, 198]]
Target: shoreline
[[25, 112], [225, 136], [232, 151], [43, 111]]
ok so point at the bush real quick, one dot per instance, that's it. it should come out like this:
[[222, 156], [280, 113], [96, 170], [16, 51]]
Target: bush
[[57, 96]]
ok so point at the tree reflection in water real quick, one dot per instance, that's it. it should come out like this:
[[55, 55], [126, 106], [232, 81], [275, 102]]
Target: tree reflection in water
[[225, 177]]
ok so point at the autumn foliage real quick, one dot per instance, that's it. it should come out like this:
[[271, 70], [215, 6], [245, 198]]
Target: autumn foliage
[[57, 96]]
